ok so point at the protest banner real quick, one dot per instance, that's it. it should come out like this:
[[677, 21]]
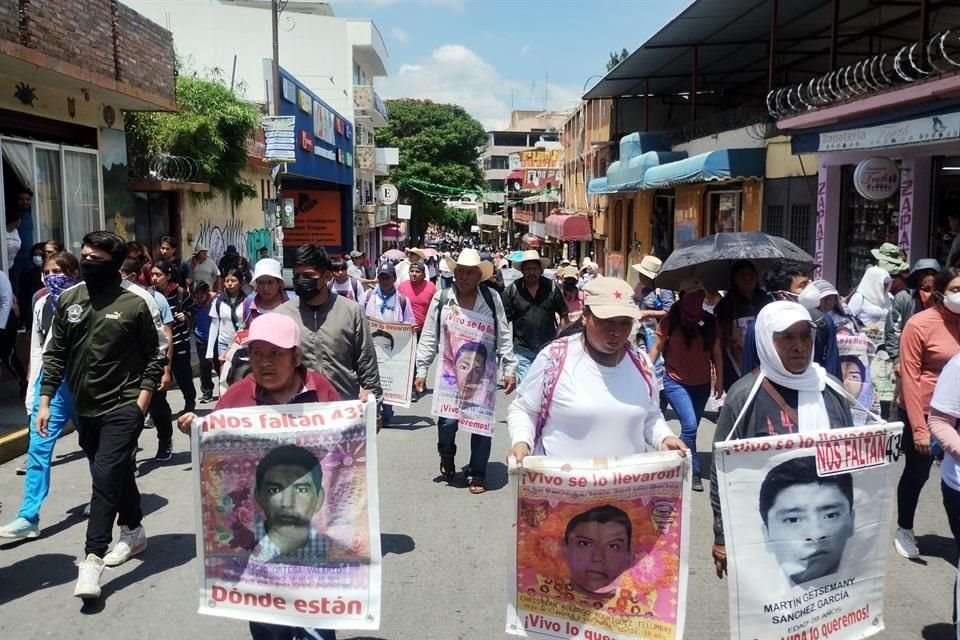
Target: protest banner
[[396, 347], [857, 353], [806, 522], [287, 515], [600, 548], [466, 381]]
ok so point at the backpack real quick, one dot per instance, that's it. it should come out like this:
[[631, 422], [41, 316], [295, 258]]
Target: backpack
[[557, 352], [487, 297]]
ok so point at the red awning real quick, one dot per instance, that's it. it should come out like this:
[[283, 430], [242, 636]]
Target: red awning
[[516, 174], [531, 240], [569, 227], [392, 231]]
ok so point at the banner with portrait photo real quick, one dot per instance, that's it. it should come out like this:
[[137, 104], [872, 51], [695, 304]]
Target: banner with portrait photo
[[396, 347], [288, 515], [466, 384], [600, 547], [806, 522], [857, 353]]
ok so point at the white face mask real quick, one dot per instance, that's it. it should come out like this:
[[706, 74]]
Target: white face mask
[[809, 297], [952, 303]]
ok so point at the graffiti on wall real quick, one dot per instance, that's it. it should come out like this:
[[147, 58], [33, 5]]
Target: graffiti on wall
[[217, 237]]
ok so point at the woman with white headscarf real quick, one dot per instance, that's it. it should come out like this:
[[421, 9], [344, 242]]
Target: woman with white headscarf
[[870, 305], [789, 393]]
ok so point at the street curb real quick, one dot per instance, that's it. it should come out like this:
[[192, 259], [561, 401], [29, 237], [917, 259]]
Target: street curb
[[15, 443]]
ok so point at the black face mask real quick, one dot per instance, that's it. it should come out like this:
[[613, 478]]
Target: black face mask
[[98, 275], [305, 286]]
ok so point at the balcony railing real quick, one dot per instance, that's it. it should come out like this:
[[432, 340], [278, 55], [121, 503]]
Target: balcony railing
[[365, 157], [368, 104]]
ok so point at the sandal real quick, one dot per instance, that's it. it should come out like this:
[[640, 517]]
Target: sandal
[[448, 467], [477, 486]]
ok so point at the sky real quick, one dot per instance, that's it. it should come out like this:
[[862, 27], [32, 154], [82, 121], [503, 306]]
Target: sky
[[493, 55]]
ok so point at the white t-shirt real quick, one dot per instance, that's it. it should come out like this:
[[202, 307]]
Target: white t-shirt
[[13, 246], [596, 411], [351, 289], [206, 271], [946, 399]]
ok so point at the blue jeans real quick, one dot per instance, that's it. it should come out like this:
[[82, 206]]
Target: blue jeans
[[688, 401], [264, 631], [479, 447], [36, 484], [523, 364]]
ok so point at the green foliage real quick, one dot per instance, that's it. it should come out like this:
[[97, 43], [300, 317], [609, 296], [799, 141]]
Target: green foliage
[[616, 58], [211, 129], [439, 143]]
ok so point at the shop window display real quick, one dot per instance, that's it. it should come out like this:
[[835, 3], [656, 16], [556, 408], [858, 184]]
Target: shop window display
[[866, 225]]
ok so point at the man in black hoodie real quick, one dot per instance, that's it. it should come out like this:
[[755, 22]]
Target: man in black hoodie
[[107, 342]]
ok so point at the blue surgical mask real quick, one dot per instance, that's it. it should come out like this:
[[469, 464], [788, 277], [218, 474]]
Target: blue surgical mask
[[38, 261]]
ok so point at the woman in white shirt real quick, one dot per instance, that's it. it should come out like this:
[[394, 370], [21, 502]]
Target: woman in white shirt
[[591, 394]]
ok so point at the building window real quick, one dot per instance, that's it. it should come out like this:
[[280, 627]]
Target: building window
[[775, 219], [497, 162], [509, 139]]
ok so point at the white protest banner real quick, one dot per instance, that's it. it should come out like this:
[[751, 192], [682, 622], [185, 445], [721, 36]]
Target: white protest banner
[[806, 522], [600, 548], [396, 347], [288, 515], [466, 384]]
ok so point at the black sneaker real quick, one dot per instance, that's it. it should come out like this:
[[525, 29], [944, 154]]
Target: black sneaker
[[207, 397], [697, 483], [164, 453]]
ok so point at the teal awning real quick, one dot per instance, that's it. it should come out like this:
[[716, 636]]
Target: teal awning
[[625, 176], [714, 166], [598, 187]]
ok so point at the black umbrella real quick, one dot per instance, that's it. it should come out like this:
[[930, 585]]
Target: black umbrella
[[711, 258]]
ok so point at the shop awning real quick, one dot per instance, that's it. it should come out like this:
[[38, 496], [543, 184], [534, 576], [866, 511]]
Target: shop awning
[[531, 240], [626, 175], [714, 166], [516, 174], [598, 187], [569, 227]]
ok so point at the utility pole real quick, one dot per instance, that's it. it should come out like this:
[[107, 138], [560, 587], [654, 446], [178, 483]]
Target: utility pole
[[275, 20]]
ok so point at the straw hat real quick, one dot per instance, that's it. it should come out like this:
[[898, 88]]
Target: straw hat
[[569, 272], [417, 252], [531, 255], [471, 258], [649, 266], [610, 298]]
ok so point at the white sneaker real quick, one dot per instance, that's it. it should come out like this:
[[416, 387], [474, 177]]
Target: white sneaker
[[906, 544], [86, 510], [131, 543], [20, 528], [88, 582]]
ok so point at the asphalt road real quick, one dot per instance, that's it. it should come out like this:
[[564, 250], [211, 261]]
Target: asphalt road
[[445, 554]]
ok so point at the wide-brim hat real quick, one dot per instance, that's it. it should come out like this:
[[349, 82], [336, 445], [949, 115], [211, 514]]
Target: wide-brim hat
[[610, 298], [570, 272], [888, 258], [417, 252], [471, 258], [531, 255], [650, 266]]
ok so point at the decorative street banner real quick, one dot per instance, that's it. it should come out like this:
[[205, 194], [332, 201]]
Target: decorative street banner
[[396, 347], [806, 520], [466, 381], [287, 510], [600, 548]]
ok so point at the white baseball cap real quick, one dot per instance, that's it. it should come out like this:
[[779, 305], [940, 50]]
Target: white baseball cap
[[267, 267]]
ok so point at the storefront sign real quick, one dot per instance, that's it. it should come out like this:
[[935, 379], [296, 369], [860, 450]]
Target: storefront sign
[[317, 218], [821, 220], [404, 211], [306, 140], [877, 178], [541, 158], [304, 100], [280, 138], [324, 153], [540, 178], [289, 90], [387, 193], [525, 217], [917, 131], [905, 223]]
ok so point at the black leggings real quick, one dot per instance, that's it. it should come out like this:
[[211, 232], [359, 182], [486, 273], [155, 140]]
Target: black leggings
[[915, 474]]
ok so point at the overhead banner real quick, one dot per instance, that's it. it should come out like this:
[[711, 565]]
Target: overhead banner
[[396, 347], [466, 384], [806, 521], [601, 548], [287, 515]]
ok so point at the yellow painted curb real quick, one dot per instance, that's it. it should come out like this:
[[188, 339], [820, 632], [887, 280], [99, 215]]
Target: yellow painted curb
[[15, 443]]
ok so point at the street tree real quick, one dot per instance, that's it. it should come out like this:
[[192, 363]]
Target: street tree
[[617, 58], [440, 147], [205, 141]]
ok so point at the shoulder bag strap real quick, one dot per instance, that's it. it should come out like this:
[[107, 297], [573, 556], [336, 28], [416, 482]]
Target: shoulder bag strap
[[787, 409], [746, 405], [557, 352]]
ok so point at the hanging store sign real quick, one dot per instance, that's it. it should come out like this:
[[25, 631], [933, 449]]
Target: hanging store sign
[[877, 178], [934, 128], [280, 138], [387, 194], [306, 140]]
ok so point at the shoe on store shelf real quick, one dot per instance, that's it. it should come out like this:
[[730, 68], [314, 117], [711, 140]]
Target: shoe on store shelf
[[131, 542], [88, 580], [19, 529], [906, 544]]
